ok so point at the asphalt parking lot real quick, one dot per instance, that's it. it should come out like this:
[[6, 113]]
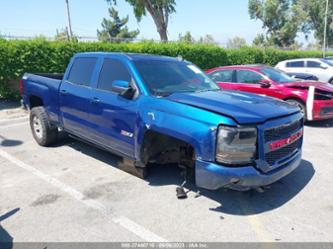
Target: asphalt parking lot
[[75, 192]]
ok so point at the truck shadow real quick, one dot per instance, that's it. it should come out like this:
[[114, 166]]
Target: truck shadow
[[6, 241], [320, 124], [230, 202], [8, 105], [242, 203], [275, 196]]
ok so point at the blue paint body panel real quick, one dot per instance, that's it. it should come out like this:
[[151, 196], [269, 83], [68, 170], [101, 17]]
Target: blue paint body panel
[[120, 124]]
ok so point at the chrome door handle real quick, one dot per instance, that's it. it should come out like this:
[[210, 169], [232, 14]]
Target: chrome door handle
[[95, 100], [63, 92]]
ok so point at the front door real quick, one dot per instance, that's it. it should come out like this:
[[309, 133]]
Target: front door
[[249, 81], [114, 117], [316, 68]]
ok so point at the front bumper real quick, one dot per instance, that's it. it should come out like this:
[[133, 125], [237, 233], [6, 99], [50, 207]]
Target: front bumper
[[214, 176], [322, 109]]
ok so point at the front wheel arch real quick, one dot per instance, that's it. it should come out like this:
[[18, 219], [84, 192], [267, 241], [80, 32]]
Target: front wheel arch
[[159, 148]]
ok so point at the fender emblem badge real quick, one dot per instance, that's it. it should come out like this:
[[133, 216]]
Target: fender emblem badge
[[126, 133]]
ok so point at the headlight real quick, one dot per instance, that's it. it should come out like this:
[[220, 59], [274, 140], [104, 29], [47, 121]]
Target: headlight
[[236, 146]]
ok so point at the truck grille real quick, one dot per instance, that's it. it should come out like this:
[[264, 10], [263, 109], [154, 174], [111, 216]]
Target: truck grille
[[281, 132], [289, 150]]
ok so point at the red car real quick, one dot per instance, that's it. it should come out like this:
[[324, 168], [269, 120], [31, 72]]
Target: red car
[[265, 80]]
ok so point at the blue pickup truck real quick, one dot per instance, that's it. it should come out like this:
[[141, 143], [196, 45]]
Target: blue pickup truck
[[162, 110]]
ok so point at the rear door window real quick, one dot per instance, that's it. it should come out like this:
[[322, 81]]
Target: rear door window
[[248, 77], [112, 70], [222, 75], [82, 71], [295, 64]]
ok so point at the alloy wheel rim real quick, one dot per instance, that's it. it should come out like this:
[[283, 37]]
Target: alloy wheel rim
[[37, 126]]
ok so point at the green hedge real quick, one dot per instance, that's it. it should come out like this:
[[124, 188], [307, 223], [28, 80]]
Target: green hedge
[[18, 57]]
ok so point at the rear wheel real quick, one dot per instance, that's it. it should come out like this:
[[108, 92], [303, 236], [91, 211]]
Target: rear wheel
[[298, 103], [42, 131]]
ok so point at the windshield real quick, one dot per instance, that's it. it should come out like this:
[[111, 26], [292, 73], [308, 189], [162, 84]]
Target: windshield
[[276, 75], [167, 77], [328, 62]]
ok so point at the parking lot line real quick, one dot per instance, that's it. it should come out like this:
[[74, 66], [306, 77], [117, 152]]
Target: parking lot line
[[9, 120], [13, 125], [255, 222], [123, 221]]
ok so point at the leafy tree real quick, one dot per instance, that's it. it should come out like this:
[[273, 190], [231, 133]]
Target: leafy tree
[[313, 46], [236, 42], [115, 28], [159, 10], [207, 39], [263, 41], [260, 41], [187, 38], [313, 13], [62, 35], [278, 18]]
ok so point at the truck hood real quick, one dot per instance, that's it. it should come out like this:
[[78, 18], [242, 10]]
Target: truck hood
[[244, 108], [306, 84]]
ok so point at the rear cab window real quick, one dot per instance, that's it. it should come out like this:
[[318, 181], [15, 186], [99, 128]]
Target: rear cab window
[[82, 71], [295, 64]]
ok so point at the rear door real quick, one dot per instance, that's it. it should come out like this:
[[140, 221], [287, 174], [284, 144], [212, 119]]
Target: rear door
[[224, 78], [114, 117], [295, 66], [75, 95]]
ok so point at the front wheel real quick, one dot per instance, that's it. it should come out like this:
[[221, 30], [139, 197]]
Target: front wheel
[[42, 131], [300, 105]]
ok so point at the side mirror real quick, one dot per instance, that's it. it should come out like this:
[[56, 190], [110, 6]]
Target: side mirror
[[323, 67], [265, 83], [123, 88]]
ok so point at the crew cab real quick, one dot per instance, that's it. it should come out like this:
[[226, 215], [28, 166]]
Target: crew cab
[[161, 110], [268, 81]]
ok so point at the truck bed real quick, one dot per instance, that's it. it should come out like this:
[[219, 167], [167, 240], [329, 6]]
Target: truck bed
[[44, 87], [56, 76]]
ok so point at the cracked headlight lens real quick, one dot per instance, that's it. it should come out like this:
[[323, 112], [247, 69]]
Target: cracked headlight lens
[[236, 146]]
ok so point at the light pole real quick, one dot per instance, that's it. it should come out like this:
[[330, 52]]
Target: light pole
[[69, 21], [325, 30]]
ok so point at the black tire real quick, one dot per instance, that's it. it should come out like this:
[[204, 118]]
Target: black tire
[[300, 105], [42, 131]]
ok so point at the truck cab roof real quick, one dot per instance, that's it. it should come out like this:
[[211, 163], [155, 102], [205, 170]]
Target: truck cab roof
[[129, 56]]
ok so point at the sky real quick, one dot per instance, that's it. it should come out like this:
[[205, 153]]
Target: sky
[[223, 19]]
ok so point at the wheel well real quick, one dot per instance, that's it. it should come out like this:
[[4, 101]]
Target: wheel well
[[35, 101], [164, 149], [330, 80]]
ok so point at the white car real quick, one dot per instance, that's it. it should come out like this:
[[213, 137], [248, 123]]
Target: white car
[[321, 68]]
